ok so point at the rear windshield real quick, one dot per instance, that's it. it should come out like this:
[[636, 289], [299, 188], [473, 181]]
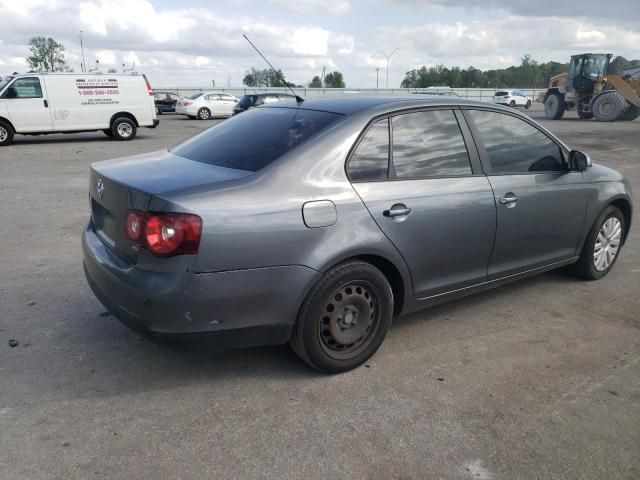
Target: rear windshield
[[502, 94], [247, 101], [194, 96], [253, 140]]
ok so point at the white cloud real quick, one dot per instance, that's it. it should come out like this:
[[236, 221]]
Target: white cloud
[[334, 7]]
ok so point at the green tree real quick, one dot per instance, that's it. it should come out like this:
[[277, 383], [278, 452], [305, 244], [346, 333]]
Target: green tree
[[263, 78], [334, 80], [315, 82], [47, 55]]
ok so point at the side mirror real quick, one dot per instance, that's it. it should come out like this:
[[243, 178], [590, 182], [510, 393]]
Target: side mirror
[[579, 161]]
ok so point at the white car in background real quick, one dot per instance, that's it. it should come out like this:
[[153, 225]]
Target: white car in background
[[207, 105], [512, 98]]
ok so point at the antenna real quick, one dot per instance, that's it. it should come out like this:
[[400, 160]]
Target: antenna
[[298, 99]]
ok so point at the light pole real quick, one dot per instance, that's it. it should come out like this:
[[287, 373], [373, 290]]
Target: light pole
[[388, 57]]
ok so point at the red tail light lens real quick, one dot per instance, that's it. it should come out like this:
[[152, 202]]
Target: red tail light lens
[[165, 234], [186, 104]]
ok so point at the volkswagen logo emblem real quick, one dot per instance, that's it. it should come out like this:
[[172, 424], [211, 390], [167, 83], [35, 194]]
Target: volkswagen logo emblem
[[100, 187]]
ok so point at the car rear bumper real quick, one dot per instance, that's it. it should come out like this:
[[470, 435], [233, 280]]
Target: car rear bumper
[[259, 304]]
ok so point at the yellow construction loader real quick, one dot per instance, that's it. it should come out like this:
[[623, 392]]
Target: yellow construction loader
[[593, 92]]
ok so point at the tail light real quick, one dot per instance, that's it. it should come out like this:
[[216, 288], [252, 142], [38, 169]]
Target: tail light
[[186, 104], [165, 234], [149, 89]]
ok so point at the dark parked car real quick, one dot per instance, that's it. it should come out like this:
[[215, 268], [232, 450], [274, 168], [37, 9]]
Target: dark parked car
[[318, 223], [257, 99], [166, 102]]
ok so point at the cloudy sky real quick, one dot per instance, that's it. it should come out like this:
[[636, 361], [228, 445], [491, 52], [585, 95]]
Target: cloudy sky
[[190, 42]]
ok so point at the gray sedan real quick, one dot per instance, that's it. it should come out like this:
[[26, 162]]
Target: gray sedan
[[317, 223]]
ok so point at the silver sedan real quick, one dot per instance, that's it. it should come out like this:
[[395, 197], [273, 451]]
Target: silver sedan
[[317, 223]]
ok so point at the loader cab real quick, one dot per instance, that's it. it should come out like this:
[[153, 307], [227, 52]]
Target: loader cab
[[584, 71]]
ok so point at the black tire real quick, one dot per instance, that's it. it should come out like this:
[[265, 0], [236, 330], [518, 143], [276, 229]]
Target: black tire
[[585, 115], [123, 129], [512, 104], [585, 267], [631, 114], [344, 318], [554, 106], [609, 106], [6, 134], [204, 114], [527, 105], [108, 132]]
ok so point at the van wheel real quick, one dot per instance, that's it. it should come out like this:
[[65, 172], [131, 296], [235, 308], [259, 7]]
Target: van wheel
[[108, 132], [123, 129], [204, 114], [6, 134], [344, 318]]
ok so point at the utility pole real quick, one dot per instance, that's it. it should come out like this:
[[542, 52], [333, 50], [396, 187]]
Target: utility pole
[[377, 72], [388, 57], [83, 65]]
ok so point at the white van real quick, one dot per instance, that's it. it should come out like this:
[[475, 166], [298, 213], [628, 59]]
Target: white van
[[41, 103]]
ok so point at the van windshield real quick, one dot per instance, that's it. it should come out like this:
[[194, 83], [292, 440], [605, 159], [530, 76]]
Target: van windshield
[[253, 140], [3, 83]]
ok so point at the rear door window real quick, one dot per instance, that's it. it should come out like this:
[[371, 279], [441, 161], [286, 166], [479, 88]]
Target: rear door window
[[370, 159], [243, 142], [428, 144], [514, 146]]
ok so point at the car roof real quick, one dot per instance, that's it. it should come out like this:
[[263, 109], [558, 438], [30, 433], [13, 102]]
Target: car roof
[[350, 104]]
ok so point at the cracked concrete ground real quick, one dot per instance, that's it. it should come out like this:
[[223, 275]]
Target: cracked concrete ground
[[538, 379]]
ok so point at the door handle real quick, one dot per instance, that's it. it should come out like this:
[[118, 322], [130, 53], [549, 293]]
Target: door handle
[[397, 211], [46, 104], [509, 198]]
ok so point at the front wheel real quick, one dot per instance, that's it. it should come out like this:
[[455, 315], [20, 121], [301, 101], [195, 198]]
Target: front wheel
[[609, 106], [344, 318], [600, 250], [6, 134]]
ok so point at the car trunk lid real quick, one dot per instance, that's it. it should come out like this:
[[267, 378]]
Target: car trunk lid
[[117, 186]]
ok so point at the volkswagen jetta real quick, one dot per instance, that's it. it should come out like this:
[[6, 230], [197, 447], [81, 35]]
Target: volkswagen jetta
[[317, 223]]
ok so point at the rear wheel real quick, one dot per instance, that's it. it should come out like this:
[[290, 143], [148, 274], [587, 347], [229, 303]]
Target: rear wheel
[[631, 114], [609, 106], [6, 134], [512, 104], [123, 128], [344, 319], [204, 114], [554, 106], [601, 249], [527, 106]]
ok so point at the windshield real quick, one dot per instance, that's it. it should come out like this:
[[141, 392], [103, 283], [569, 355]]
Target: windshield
[[594, 66], [3, 83], [193, 97], [244, 143]]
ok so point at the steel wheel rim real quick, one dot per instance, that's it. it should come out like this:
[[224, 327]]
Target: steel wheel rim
[[3, 134], [349, 320], [607, 107], [124, 130], [607, 244]]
